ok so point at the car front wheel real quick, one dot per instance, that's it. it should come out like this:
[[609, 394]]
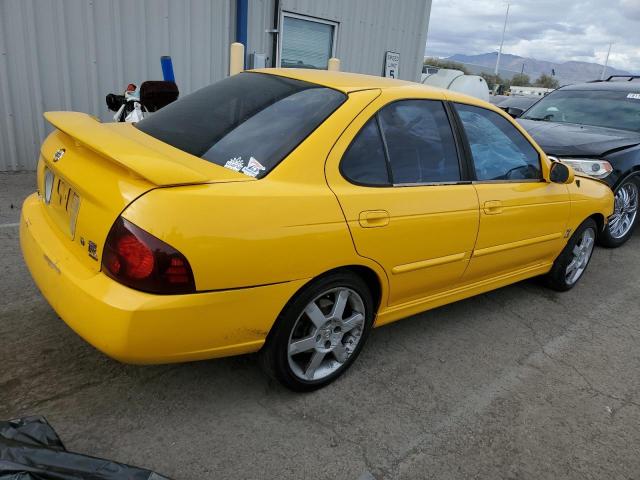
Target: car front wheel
[[625, 215], [320, 332], [574, 258]]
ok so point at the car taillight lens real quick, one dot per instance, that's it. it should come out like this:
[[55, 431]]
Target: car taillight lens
[[139, 260]]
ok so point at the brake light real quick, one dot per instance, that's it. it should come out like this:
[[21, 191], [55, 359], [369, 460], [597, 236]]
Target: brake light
[[139, 260], [177, 271]]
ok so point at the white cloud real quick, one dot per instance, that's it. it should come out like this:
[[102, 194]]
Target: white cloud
[[554, 30]]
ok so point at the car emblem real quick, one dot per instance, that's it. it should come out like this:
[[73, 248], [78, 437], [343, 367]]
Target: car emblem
[[59, 154], [93, 250]]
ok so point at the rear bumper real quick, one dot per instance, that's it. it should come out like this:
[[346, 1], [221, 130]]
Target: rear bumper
[[137, 327]]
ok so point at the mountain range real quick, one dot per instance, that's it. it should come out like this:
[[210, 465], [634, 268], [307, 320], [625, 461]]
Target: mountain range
[[566, 72]]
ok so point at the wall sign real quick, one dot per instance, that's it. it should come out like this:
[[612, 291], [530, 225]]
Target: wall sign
[[391, 64]]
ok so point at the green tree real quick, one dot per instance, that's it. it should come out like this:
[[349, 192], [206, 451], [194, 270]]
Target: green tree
[[546, 81], [521, 80], [443, 63], [493, 80]]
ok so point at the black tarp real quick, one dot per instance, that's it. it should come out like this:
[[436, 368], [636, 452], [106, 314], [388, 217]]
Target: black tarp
[[30, 449]]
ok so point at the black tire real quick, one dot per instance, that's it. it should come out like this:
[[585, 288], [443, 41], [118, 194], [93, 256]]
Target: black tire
[[607, 239], [274, 356], [557, 278]]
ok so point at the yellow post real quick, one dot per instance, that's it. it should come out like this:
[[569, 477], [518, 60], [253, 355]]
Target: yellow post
[[236, 58], [334, 64]]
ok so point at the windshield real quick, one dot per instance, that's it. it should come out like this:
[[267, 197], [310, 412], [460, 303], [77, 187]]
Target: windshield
[[613, 109], [247, 123]]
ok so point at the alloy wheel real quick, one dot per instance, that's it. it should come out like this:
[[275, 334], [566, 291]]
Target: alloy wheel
[[581, 255], [626, 209], [326, 334]]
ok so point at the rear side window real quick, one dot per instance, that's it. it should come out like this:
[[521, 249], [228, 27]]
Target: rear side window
[[420, 142], [248, 122], [499, 150], [365, 162], [420, 147]]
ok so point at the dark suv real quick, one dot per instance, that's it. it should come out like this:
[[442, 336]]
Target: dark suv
[[595, 128]]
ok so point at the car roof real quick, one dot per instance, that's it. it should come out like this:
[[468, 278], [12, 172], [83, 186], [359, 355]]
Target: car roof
[[351, 82], [611, 85], [343, 81]]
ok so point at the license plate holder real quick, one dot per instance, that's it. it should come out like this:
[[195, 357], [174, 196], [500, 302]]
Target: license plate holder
[[62, 201]]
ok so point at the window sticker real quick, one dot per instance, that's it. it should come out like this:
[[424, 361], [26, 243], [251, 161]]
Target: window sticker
[[234, 164], [635, 96], [253, 168]]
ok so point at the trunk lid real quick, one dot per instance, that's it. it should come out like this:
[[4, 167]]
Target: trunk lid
[[89, 172]]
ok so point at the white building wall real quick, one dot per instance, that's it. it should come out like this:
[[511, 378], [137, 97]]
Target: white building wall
[[69, 54], [260, 19], [366, 30], [369, 28]]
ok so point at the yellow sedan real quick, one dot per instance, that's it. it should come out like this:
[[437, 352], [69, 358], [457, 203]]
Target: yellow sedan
[[290, 211]]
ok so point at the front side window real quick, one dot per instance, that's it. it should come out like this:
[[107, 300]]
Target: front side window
[[248, 122], [499, 150], [420, 142], [306, 43]]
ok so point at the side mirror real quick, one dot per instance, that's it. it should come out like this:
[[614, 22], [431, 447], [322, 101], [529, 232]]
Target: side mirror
[[515, 112], [561, 173]]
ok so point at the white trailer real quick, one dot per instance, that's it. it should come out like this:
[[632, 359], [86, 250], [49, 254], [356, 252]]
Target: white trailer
[[456, 80]]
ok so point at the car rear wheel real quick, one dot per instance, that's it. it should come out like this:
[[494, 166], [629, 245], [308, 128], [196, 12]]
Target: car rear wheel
[[320, 332], [574, 258], [625, 215]]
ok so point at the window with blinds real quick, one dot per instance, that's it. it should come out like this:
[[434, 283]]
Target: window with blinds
[[306, 43]]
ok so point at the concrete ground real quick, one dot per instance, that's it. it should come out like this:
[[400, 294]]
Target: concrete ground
[[519, 383]]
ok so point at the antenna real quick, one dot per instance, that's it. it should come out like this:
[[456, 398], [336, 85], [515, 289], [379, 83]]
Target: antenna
[[606, 62], [502, 41]]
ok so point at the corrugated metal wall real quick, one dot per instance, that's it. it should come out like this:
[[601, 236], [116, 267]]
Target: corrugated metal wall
[[367, 29], [261, 18], [68, 54]]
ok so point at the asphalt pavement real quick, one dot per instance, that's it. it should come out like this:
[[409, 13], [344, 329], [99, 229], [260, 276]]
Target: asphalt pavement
[[522, 382]]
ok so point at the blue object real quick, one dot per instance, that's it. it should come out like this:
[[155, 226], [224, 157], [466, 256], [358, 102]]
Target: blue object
[[242, 15], [167, 69]]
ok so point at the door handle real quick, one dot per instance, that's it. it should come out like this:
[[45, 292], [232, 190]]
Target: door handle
[[492, 207], [373, 218]]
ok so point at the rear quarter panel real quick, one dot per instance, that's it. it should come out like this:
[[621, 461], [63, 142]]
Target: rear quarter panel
[[286, 226], [246, 234]]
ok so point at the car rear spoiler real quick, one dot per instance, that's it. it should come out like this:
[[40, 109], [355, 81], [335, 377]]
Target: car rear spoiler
[[134, 150]]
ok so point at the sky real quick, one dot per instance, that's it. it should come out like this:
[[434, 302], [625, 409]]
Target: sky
[[553, 30]]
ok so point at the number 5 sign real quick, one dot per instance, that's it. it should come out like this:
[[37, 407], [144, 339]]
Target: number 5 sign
[[391, 64]]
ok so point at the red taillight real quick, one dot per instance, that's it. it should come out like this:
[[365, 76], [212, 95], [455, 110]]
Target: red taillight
[[178, 271], [139, 260]]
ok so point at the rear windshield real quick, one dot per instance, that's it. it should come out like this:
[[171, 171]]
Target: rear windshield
[[247, 123]]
